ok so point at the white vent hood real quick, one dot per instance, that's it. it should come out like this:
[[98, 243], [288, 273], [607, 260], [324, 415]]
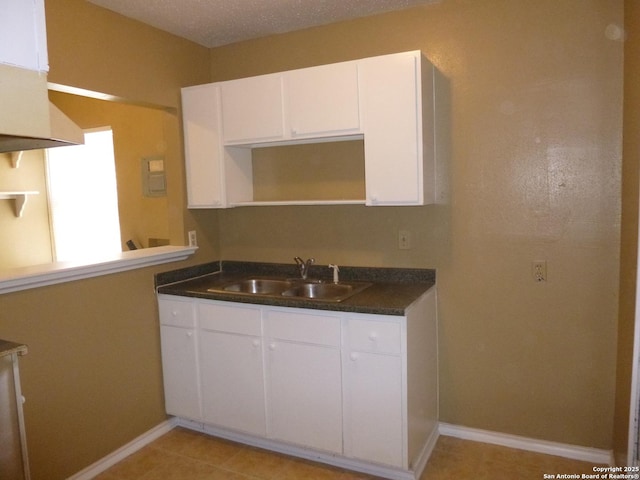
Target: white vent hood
[[28, 120]]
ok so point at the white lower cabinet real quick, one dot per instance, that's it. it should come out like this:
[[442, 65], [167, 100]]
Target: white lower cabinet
[[231, 368], [374, 416], [357, 390], [304, 379], [180, 358]]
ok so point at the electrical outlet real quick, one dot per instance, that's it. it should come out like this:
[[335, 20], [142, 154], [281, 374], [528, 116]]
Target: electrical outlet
[[539, 270], [404, 239], [193, 240]]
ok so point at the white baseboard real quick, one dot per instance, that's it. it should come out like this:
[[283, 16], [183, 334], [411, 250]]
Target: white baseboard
[[123, 452], [425, 454], [576, 452], [314, 455]]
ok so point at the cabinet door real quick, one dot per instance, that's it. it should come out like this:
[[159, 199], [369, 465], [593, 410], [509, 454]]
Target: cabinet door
[[23, 36], [180, 371], [252, 109], [232, 381], [373, 408], [203, 146], [304, 393], [390, 107], [323, 101]]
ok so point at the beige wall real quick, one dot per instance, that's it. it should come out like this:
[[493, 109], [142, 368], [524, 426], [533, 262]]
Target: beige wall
[[536, 143], [92, 376], [629, 230], [98, 50]]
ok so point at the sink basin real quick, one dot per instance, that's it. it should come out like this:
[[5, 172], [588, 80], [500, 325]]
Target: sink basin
[[257, 286], [333, 292], [292, 288]]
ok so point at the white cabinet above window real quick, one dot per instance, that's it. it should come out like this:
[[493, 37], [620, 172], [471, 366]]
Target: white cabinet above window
[[390, 101], [23, 35]]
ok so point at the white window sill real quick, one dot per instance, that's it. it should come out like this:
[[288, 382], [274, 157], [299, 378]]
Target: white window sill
[[24, 278]]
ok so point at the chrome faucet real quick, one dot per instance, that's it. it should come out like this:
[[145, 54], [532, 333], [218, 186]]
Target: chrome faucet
[[303, 267]]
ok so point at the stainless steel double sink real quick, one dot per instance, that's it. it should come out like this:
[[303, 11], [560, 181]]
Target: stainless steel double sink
[[292, 288]]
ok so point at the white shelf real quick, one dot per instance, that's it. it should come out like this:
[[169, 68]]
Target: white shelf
[[20, 199], [270, 203]]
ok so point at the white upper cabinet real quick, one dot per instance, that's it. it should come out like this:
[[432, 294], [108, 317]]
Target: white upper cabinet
[[23, 35], [397, 102], [323, 101], [307, 103], [390, 101], [203, 146], [252, 109]]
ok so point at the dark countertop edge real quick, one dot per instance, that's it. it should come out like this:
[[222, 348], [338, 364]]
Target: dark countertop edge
[[368, 274], [291, 303], [392, 292], [8, 348], [187, 273]]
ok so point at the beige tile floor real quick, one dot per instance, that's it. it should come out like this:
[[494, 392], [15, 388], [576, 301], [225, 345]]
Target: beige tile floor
[[184, 454]]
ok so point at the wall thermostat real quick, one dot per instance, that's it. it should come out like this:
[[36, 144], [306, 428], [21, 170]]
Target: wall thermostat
[[154, 183]]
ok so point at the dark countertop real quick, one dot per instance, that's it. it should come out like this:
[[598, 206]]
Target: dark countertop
[[392, 291], [8, 348]]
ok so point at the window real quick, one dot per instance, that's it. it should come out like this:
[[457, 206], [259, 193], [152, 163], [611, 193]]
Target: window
[[83, 198]]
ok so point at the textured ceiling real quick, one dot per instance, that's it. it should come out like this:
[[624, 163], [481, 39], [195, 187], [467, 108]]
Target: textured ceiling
[[218, 22]]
